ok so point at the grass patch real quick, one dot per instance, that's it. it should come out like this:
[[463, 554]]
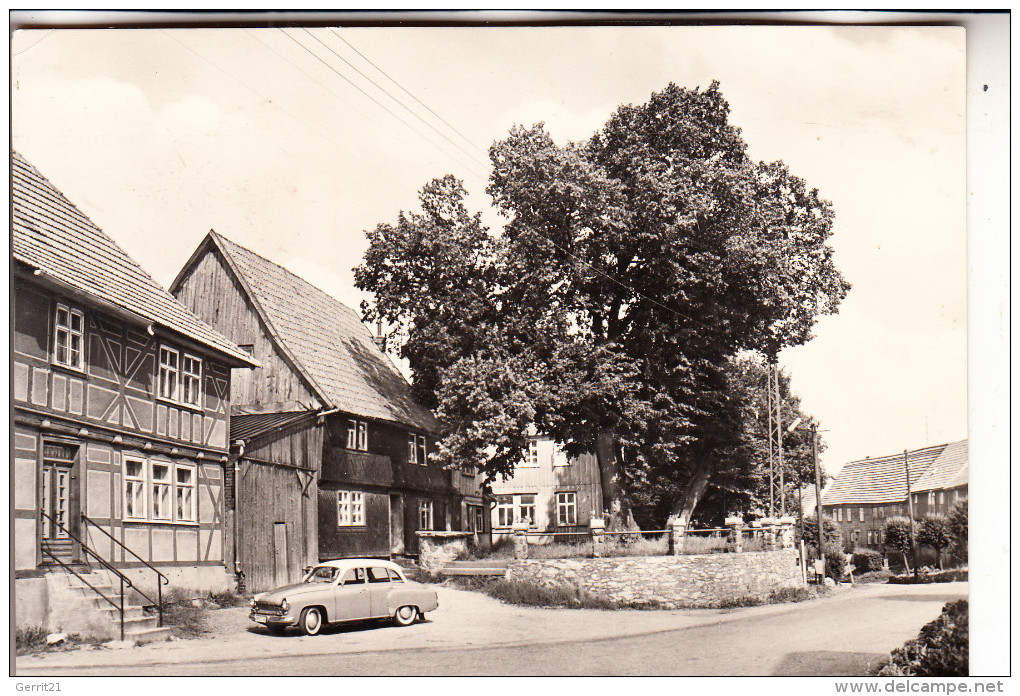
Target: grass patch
[[184, 609], [32, 640], [535, 595], [941, 649], [784, 595]]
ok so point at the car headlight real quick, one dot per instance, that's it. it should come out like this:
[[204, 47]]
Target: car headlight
[[285, 605], [252, 603]]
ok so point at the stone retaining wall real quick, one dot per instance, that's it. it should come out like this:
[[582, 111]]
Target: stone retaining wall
[[671, 581]]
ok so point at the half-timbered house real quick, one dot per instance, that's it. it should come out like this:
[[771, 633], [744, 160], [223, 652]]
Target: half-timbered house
[[121, 402], [327, 409]]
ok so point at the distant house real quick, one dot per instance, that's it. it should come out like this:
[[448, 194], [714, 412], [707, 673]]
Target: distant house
[[554, 492], [121, 401], [869, 491], [332, 447]]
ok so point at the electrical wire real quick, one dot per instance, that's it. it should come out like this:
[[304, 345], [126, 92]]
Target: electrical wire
[[408, 93], [377, 102]]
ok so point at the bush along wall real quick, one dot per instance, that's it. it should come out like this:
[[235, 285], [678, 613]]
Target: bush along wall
[[669, 582]]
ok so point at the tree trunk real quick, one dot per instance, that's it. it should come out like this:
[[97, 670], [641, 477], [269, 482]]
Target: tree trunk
[[695, 489], [615, 505]]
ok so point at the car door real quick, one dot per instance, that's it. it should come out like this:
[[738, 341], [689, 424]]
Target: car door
[[352, 598], [379, 590]]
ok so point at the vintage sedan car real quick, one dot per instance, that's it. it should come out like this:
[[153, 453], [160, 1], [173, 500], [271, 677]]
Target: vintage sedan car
[[351, 589]]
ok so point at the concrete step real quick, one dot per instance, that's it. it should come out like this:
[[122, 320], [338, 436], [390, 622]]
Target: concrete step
[[146, 635], [130, 611]]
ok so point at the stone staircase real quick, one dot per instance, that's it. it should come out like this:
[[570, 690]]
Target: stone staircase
[[140, 626]]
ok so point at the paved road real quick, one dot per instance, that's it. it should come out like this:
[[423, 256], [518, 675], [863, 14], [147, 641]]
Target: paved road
[[845, 635]]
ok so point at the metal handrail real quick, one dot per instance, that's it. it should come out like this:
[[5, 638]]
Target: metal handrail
[[102, 561], [76, 574], [160, 576]]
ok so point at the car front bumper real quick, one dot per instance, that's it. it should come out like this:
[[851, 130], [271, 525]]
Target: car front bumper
[[272, 619]]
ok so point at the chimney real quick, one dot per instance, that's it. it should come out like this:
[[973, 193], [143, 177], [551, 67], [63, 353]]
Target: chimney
[[379, 339]]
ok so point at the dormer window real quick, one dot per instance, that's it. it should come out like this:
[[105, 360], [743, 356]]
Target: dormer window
[[69, 338]]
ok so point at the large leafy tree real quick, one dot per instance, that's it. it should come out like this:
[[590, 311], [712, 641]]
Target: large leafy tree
[[631, 269]]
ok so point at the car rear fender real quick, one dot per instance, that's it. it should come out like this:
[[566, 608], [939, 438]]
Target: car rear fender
[[424, 599]]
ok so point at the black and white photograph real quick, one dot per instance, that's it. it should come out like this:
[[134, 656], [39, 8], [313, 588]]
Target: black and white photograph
[[509, 344]]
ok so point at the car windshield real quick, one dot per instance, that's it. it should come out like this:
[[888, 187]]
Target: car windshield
[[322, 574]]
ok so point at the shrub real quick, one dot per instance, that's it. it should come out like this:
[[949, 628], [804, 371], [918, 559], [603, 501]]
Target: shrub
[[934, 532], [866, 560], [835, 561], [942, 649], [896, 536], [958, 529], [29, 639], [830, 532]]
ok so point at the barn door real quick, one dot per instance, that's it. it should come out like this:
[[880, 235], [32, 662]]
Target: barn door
[[280, 560], [396, 524]]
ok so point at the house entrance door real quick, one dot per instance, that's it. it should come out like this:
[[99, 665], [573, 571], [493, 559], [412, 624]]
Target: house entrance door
[[59, 501], [396, 524]]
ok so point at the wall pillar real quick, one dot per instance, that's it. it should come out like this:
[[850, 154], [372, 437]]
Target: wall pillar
[[768, 525], [786, 532], [735, 543], [520, 532], [597, 525], [677, 529]]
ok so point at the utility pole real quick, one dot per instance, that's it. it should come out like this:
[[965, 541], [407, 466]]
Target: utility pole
[[779, 446], [818, 492], [910, 514]]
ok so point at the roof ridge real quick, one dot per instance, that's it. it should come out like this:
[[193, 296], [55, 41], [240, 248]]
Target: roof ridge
[[217, 241], [284, 269]]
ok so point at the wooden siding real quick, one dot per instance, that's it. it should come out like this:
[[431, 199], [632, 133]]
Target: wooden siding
[[210, 290], [117, 385], [269, 495], [372, 539], [580, 476]]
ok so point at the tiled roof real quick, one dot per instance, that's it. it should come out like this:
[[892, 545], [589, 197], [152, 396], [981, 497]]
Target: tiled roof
[[50, 234], [250, 425], [880, 479], [329, 342], [950, 470]]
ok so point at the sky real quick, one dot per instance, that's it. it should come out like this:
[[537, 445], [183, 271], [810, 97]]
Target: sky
[[283, 141]]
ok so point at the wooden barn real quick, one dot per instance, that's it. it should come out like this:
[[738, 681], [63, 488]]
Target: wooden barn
[[121, 401], [327, 429]]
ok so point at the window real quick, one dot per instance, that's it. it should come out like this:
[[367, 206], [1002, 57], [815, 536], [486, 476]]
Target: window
[[505, 511], [423, 452], [839, 514], [354, 576], [69, 337], [134, 489], [395, 576], [357, 435], [186, 493], [161, 488], [931, 497], [350, 509], [376, 574], [417, 451], [860, 514], [168, 372], [526, 508], [566, 509], [425, 514], [191, 380], [532, 457], [941, 497]]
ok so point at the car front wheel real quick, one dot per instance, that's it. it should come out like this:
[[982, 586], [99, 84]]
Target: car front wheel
[[311, 621], [405, 616]]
